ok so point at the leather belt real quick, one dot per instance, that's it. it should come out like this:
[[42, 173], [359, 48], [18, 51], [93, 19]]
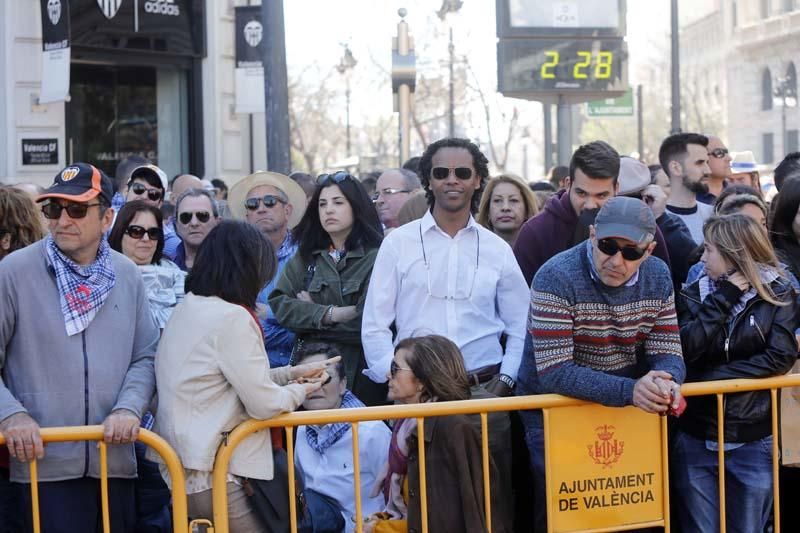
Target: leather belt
[[483, 374]]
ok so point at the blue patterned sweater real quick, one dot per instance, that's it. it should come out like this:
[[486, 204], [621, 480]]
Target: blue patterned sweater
[[591, 341]]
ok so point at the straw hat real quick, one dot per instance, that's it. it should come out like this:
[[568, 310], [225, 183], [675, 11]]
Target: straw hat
[[238, 194]]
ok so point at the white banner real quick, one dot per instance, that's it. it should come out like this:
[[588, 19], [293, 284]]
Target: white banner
[[55, 75], [249, 90]]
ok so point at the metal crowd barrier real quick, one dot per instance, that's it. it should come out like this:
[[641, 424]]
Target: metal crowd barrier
[[549, 403], [546, 402], [82, 433]]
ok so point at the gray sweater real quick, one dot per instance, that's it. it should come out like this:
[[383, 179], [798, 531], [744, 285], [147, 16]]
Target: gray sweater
[[73, 381]]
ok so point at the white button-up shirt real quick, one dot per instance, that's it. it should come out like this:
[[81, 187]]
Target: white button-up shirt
[[332, 474], [468, 288]]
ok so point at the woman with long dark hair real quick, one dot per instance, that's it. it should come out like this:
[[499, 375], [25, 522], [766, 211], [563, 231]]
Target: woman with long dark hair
[[212, 374], [320, 294], [737, 321], [138, 233]]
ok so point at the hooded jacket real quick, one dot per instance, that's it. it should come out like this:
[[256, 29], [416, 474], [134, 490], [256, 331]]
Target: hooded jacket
[[552, 231]]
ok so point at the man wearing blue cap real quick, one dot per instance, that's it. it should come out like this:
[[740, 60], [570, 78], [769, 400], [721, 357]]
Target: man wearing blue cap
[[76, 348], [602, 326]]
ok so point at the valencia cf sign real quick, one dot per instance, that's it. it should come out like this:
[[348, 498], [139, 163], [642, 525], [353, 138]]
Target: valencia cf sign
[[162, 27]]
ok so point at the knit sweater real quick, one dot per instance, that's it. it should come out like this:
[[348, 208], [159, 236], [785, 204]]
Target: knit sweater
[[591, 341]]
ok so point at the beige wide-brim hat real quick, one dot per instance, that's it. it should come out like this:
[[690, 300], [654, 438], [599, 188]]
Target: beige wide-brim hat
[[238, 194]]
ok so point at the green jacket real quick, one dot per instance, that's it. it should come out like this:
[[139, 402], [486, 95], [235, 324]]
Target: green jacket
[[342, 284]]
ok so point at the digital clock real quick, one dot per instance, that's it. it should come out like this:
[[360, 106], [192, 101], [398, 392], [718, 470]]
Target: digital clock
[[538, 67]]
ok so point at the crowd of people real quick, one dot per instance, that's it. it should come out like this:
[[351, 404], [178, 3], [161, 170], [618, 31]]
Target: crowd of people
[[185, 307]]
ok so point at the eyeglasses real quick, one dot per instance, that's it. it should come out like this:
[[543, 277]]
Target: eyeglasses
[[202, 217], [462, 173], [52, 210], [336, 177], [138, 232], [394, 368], [153, 195], [719, 153], [610, 247], [387, 192], [269, 200], [442, 287]]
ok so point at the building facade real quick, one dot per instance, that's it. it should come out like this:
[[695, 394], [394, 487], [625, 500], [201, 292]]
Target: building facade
[[148, 77], [738, 61]]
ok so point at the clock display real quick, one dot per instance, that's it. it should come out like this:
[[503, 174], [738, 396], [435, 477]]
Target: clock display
[[562, 65]]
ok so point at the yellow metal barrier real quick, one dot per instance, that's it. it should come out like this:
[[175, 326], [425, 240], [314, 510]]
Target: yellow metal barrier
[[482, 407], [95, 433]]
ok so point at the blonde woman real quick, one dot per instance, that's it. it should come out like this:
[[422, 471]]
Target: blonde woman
[[736, 321], [505, 205]]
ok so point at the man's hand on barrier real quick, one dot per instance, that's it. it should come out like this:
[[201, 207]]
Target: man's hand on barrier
[[652, 392], [22, 437], [121, 427]]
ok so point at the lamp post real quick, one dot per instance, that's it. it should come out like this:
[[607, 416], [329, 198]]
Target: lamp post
[[450, 6], [785, 93], [345, 67]]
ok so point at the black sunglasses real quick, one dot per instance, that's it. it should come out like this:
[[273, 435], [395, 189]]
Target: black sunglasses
[[202, 217], [269, 200], [138, 232], [53, 210], [441, 173], [153, 195], [610, 247], [719, 153], [336, 177]]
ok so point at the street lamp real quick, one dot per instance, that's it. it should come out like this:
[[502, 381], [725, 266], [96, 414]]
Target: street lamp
[[345, 66], [450, 6], [785, 95]]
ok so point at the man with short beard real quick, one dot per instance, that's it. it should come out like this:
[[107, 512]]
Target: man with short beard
[[684, 157], [566, 217]]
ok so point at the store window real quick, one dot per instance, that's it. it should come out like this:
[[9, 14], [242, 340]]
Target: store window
[[118, 111]]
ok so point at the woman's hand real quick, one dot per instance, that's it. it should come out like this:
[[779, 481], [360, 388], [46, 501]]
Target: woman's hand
[[305, 296], [738, 279], [312, 370]]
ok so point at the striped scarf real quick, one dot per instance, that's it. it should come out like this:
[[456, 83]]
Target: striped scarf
[[83, 289]]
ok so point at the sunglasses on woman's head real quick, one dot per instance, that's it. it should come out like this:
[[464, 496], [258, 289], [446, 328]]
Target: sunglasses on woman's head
[[610, 247], [153, 195], [269, 200], [138, 232], [202, 217], [441, 173], [336, 177], [52, 210]]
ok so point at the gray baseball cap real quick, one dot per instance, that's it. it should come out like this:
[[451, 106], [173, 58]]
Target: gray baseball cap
[[625, 218]]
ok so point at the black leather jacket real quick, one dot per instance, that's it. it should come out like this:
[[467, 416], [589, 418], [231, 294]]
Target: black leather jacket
[[759, 342]]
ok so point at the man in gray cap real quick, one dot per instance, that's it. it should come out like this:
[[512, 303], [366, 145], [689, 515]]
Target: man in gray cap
[[602, 326]]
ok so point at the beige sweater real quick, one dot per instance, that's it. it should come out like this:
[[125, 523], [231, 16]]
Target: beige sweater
[[212, 373]]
